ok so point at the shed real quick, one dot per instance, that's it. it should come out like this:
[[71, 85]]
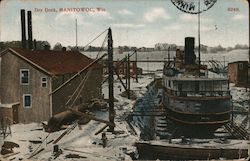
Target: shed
[[29, 76], [238, 73]]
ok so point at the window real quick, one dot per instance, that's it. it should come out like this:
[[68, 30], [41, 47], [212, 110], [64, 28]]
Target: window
[[44, 81], [24, 76], [27, 101]]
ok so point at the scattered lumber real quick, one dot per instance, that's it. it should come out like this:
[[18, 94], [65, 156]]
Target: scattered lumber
[[67, 131], [34, 154], [35, 141], [5, 151], [7, 147], [74, 156], [10, 145], [38, 129], [99, 131], [50, 141], [10, 154], [94, 154]]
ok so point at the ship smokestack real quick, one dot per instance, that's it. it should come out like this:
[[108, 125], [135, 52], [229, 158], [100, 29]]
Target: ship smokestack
[[30, 41], [189, 51], [23, 29]]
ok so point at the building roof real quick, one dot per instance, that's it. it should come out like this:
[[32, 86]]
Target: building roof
[[236, 62], [54, 62], [8, 105]]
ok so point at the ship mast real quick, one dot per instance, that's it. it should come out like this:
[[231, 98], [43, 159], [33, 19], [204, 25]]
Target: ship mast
[[199, 41]]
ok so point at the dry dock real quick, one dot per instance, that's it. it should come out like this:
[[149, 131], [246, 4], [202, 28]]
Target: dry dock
[[193, 149]]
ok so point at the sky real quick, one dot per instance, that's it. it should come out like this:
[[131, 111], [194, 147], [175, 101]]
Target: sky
[[133, 22]]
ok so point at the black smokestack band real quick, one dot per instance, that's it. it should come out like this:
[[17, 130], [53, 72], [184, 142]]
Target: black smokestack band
[[189, 51], [23, 30], [30, 41]]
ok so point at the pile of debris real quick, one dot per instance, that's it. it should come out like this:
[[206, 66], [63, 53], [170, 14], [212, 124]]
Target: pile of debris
[[58, 121], [133, 95], [7, 149]]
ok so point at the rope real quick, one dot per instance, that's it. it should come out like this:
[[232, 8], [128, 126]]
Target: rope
[[82, 83], [96, 38], [73, 95], [82, 86], [103, 43]]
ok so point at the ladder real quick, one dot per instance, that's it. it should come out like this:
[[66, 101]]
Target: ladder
[[5, 129]]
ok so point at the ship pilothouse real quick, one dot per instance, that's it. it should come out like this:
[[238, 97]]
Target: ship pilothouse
[[193, 96]]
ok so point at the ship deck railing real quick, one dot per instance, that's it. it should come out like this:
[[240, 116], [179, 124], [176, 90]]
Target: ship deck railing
[[199, 93]]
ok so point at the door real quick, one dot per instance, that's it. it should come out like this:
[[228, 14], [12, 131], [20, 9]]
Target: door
[[15, 113]]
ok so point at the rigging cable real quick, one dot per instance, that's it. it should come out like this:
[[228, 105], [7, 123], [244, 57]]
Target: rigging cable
[[80, 87]]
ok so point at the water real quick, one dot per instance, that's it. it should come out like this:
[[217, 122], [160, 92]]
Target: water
[[232, 56]]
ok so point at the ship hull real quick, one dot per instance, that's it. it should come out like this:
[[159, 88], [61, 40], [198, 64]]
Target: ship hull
[[192, 125], [188, 152], [191, 119]]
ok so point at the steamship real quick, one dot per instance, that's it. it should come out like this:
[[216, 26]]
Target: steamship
[[192, 98]]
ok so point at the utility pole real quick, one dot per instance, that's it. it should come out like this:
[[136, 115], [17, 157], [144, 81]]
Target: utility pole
[[199, 39], [111, 80], [136, 71], [76, 34], [126, 71], [224, 61], [168, 54], [147, 65], [128, 75]]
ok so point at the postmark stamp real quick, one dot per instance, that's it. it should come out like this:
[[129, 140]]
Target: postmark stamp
[[193, 6]]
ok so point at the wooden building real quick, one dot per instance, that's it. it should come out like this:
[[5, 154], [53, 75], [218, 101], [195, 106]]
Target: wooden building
[[121, 67], [238, 73], [28, 77]]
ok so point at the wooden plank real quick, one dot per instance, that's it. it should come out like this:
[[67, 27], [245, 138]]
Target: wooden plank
[[94, 154], [39, 151], [67, 131], [10, 154], [99, 131]]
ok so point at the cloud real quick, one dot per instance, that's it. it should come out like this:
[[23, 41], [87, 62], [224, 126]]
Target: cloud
[[65, 17], [207, 28], [40, 18], [193, 29], [125, 12], [173, 27], [194, 18], [128, 25], [156, 14], [239, 17], [103, 14], [188, 17]]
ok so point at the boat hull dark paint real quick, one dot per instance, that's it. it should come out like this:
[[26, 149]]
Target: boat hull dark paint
[[150, 151]]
